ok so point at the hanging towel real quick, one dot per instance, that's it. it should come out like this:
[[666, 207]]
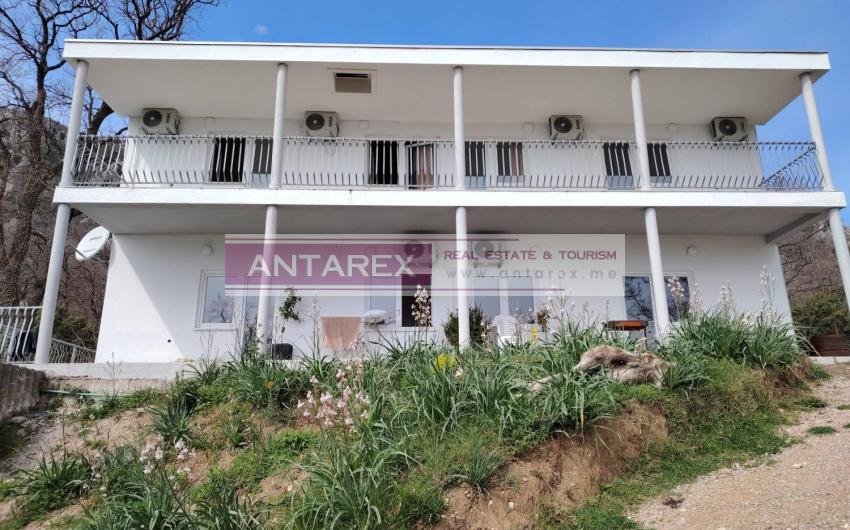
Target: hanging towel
[[339, 333]]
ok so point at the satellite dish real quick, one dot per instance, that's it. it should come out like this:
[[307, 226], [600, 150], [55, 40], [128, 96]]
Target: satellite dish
[[92, 243]]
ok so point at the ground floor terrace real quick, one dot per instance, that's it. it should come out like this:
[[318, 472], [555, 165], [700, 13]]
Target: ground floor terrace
[[167, 296], [168, 257]]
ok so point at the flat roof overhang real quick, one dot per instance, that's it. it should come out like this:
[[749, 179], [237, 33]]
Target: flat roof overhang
[[502, 85], [220, 211]]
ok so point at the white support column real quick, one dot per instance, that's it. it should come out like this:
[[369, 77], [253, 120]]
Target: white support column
[[815, 129], [640, 130], [839, 240], [460, 139], [265, 311], [63, 216], [279, 128], [462, 278], [836, 226], [461, 236], [656, 270]]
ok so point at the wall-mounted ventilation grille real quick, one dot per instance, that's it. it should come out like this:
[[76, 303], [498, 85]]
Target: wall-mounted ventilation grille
[[353, 82]]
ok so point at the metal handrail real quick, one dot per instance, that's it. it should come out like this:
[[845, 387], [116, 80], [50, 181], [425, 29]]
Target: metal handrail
[[428, 163], [19, 333]]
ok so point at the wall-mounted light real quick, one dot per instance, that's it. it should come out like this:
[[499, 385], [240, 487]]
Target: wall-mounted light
[[206, 249], [672, 127], [692, 251]]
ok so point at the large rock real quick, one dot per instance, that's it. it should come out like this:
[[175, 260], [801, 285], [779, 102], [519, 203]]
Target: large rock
[[624, 366]]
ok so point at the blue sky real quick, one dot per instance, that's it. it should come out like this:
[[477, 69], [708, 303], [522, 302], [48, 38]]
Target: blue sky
[[717, 24]]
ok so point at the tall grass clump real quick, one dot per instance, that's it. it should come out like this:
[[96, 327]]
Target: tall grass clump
[[479, 468], [761, 338], [572, 401], [352, 487], [261, 382], [55, 483], [172, 421]]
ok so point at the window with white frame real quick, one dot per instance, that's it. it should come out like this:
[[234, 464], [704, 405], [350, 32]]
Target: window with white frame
[[498, 295], [638, 297], [216, 308], [383, 299]]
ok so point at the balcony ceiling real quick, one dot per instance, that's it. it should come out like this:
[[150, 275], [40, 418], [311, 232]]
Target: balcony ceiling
[[249, 219], [414, 84]]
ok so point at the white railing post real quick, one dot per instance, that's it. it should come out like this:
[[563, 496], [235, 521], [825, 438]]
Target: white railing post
[[63, 216], [815, 128], [640, 130], [461, 237], [656, 270]]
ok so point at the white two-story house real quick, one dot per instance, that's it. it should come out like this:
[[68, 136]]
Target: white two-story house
[[452, 145]]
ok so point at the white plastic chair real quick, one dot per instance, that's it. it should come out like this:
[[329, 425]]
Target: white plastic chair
[[506, 329]]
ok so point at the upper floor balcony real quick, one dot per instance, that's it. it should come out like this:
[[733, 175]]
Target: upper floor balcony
[[396, 163]]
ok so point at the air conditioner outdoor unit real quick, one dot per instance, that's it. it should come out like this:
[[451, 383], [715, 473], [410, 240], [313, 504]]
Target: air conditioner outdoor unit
[[160, 121], [416, 249], [564, 127], [729, 129], [319, 123], [486, 253]]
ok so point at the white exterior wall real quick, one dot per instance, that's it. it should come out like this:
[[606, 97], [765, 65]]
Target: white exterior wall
[[152, 297]]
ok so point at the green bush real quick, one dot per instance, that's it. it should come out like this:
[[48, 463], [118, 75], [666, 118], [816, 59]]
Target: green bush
[[822, 314], [480, 326]]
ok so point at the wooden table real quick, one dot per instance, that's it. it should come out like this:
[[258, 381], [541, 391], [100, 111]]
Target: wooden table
[[628, 325]]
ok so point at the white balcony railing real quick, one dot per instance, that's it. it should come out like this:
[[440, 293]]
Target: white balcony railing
[[422, 163], [19, 334]]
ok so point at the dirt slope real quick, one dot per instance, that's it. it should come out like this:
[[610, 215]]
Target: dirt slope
[[563, 471], [805, 486]]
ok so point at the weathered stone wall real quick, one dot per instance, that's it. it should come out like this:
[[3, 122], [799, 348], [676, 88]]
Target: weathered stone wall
[[19, 389]]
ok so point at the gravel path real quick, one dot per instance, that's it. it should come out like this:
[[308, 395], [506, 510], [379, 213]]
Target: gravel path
[[805, 486]]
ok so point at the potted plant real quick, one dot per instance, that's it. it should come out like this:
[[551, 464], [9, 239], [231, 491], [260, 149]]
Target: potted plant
[[288, 311]]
